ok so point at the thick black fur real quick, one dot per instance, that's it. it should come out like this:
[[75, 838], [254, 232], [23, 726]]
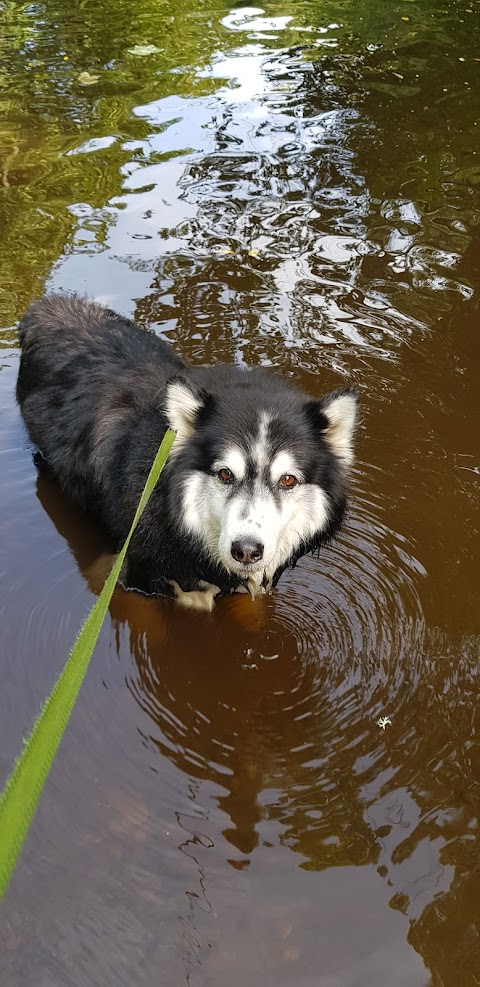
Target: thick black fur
[[92, 387]]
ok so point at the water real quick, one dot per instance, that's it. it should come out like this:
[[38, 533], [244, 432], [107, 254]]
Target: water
[[295, 185]]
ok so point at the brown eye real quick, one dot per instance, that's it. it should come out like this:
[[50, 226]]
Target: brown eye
[[287, 481], [225, 475]]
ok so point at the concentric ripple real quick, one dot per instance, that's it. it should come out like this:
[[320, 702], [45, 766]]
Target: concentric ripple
[[266, 695]]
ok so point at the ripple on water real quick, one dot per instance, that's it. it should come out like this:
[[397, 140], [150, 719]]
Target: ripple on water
[[282, 695]]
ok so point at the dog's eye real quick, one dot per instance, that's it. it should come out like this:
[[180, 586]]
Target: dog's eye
[[225, 475], [287, 481]]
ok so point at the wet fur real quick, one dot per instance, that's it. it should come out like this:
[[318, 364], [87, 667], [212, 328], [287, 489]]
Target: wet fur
[[97, 393]]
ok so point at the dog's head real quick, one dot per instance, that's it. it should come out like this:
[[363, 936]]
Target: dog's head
[[262, 467]]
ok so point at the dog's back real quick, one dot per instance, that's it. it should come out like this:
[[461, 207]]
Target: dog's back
[[58, 329], [87, 377]]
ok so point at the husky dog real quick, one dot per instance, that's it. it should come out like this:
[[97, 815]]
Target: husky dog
[[256, 477]]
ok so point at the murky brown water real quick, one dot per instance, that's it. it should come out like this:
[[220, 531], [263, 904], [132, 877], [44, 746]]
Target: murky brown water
[[296, 185]]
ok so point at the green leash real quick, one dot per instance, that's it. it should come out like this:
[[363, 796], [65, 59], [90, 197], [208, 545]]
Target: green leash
[[22, 791]]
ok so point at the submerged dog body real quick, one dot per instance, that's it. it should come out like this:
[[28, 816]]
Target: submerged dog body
[[256, 477]]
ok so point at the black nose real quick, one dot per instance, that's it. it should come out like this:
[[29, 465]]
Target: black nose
[[247, 551]]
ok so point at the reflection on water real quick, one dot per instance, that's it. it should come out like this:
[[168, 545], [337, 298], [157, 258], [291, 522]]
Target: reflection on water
[[295, 186]]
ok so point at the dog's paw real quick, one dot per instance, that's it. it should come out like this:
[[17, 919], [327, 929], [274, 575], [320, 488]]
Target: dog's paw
[[197, 599]]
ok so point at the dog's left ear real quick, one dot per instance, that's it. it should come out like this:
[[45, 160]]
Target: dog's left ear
[[184, 404], [336, 416]]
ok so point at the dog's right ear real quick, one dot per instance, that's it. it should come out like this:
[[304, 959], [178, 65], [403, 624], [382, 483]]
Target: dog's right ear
[[184, 403]]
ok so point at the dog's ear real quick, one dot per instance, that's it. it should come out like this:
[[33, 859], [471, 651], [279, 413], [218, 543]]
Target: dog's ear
[[184, 405], [336, 416]]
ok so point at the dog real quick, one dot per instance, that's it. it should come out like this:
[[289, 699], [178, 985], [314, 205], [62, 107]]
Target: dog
[[257, 476]]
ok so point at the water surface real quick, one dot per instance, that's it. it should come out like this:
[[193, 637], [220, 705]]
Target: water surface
[[295, 185]]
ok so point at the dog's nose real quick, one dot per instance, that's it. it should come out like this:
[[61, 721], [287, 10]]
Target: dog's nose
[[247, 552]]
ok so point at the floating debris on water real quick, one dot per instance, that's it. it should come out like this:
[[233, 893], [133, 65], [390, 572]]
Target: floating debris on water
[[383, 722], [86, 79], [140, 51]]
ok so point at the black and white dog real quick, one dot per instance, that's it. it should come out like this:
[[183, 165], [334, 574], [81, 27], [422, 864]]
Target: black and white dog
[[256, 477]]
